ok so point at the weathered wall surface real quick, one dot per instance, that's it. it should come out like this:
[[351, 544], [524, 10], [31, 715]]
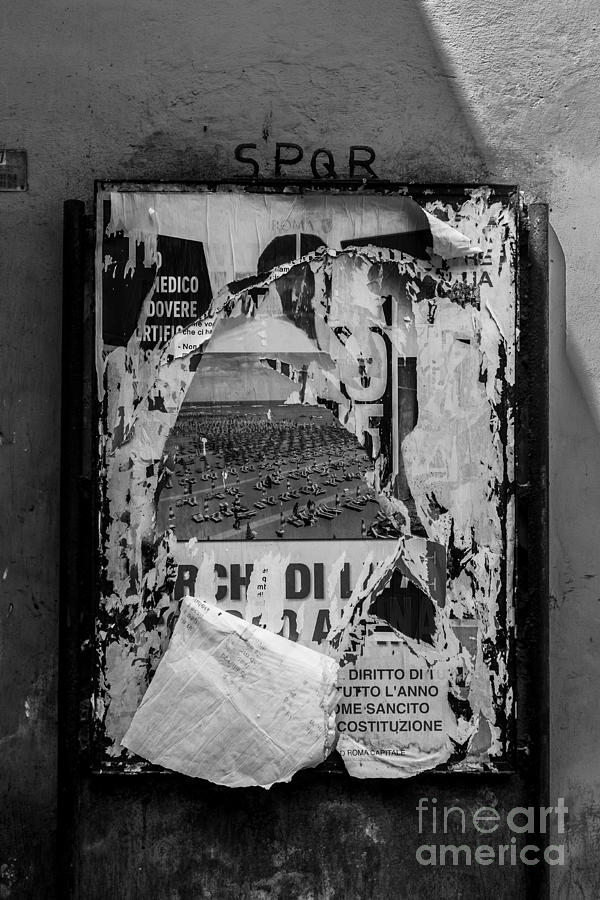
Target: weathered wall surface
[[442, 91], [529, 75]]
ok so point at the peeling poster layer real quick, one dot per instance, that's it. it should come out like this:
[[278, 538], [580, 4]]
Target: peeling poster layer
[[306, 479]]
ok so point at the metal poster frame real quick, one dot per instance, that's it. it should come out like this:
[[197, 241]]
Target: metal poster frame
[[527, 732]]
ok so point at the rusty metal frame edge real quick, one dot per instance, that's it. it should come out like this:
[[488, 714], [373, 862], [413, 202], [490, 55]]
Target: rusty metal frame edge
[[183, 185], [532, 643], [71, 573]]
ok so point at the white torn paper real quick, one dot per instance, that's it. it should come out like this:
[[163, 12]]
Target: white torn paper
[[235, 704]]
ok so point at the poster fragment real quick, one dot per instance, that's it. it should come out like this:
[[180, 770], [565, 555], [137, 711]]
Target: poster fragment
[[234, 703]]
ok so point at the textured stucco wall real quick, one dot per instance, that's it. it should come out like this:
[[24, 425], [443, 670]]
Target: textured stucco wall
[[529, 75], [448, 90]]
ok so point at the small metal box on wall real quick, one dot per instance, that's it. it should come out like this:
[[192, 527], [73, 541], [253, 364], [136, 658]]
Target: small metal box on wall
[[317, 462]]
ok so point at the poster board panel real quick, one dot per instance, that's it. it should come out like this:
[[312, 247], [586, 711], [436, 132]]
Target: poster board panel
[[307, 432]]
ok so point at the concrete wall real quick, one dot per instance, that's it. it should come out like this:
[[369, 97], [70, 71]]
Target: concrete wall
[[529, 76], [451, 90]]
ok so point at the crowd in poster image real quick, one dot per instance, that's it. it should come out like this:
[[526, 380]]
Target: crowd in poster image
[[235, 472]]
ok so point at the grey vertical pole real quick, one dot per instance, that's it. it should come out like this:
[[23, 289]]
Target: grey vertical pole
[[70, 547]]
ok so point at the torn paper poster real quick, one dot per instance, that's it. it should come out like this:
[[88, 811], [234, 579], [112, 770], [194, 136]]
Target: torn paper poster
[[234, 703], [393, 715], [308, 423]]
